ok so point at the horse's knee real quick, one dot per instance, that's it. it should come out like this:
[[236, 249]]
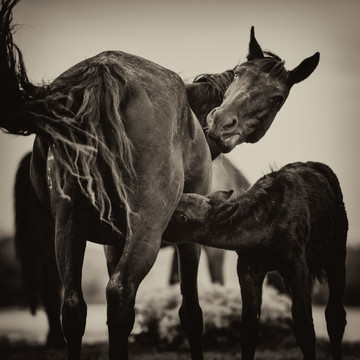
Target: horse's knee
[[120, 303], [74, 313], [118, 292], [120, 297]]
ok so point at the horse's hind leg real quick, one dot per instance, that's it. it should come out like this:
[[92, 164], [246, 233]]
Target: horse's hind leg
[[335, 313], [138, 257], [51, 285], [70, 249], [51, 295], [190, 312]]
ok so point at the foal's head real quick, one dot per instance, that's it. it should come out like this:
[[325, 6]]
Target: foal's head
[[251, 102], [195, 214]]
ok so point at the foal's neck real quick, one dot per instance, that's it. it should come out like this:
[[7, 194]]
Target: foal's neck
[[241, 230]]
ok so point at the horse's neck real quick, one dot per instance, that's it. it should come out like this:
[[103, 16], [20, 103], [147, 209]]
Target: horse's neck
[[201, 104]]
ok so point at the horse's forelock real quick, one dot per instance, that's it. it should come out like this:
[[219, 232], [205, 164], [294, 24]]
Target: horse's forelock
[[273, 65]]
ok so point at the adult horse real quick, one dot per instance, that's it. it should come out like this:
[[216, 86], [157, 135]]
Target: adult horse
[[116, 145]]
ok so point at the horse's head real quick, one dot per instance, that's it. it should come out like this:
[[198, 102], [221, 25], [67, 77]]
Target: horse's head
[[251, 102]]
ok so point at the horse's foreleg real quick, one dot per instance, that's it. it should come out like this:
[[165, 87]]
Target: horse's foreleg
[[138, 257], [174, 271], [297, 282], [190, 311], [215, 259], [251, 280], [70, 251]]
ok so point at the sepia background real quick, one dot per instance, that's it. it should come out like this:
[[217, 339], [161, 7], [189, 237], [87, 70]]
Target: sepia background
[[319, 121]]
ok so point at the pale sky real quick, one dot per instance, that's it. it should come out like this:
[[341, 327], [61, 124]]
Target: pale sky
[[319, 122]]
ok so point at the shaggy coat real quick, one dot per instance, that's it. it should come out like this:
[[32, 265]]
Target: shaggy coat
[[293, 221]]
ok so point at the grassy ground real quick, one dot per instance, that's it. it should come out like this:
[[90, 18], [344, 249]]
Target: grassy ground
[[287, 351]]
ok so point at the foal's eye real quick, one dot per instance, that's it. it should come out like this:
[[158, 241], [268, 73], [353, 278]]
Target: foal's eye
[[183, 217], [277, 100]]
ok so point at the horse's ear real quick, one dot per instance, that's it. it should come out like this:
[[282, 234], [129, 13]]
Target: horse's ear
[[302, 71], [224, 213], [219, 197], [255, 51]]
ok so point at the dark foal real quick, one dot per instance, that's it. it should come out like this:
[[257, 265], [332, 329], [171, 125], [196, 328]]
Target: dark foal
[[293, 221]]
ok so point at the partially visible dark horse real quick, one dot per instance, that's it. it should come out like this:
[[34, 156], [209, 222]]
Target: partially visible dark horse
[[292, 221], [117, 144]]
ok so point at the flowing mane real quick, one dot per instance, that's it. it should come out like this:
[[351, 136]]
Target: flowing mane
[[218, 84]]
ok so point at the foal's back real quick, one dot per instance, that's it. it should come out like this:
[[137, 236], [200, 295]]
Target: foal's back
[[315, 199]]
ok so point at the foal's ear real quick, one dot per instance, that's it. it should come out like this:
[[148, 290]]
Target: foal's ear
[[255, 51], [219, 197], [224, 213], [302, 71]]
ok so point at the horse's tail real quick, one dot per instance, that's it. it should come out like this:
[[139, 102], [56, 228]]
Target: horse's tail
[[79, 116], [88, 135], [16, 89], [25, 237]]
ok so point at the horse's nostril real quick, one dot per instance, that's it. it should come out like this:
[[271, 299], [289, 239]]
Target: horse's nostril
[[232, 124]]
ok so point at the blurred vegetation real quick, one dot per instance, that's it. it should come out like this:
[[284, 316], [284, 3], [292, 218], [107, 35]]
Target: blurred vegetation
[[11, 290], [157, 315]]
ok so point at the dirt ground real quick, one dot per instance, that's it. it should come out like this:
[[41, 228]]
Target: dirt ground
[[289, 351]]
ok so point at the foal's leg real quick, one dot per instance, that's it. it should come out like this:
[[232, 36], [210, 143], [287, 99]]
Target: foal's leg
[[190, 311], [297, 283], [70, 249], [251, 280], [335, 313]]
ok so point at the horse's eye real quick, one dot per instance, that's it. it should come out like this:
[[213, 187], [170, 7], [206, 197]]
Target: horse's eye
[[277, 100], [236, 75], [183, 217]]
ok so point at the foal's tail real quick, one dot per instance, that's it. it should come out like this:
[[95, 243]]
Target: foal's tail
[[340, 218], [78, 115]]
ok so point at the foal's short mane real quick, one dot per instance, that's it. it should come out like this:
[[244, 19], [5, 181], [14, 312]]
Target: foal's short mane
[[218, 83]]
